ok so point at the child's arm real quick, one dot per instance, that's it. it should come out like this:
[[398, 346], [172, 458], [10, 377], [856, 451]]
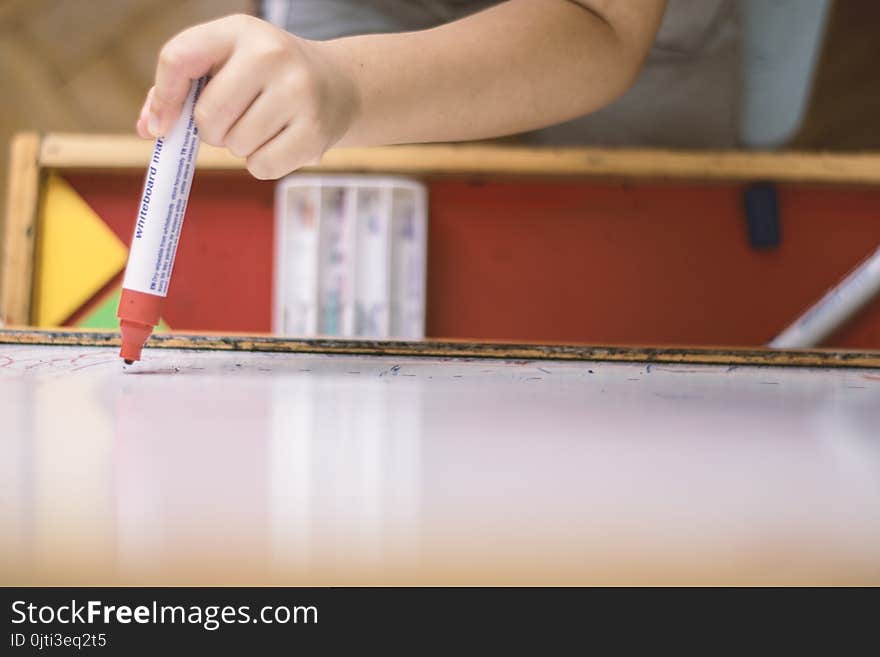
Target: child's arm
[[281, 101]]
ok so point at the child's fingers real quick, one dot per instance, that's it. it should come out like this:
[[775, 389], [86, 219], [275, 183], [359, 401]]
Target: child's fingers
[[141, 129], [189, 55], [226, 97], [141, 125], [294, 147], [264, 119]]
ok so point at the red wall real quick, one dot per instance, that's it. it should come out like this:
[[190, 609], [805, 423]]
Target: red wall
[[547, 261]]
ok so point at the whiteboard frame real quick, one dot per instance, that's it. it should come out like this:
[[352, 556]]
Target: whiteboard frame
[[818, 358]]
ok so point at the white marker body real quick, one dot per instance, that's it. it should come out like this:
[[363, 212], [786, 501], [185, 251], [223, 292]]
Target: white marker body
[[839, 304], [337, 261], [409, 262], [295, 304], [163, 203], [373, 262]]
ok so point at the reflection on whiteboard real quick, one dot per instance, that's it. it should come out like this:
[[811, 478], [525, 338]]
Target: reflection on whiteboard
[[261, 468]]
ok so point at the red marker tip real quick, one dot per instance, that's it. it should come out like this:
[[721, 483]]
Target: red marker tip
[[138, 314], [134, 336]]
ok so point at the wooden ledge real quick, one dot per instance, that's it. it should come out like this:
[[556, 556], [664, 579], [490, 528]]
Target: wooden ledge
[[462, 349], [83, 151]]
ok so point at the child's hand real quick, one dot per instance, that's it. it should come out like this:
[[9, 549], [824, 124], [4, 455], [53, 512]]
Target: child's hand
[[273, 98], [281, 101]]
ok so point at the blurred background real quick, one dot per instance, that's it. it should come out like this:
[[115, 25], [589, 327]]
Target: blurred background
[[808, 77], [84, 66]]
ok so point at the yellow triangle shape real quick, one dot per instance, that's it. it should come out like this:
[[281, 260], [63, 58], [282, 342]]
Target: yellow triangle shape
[[77, 254]]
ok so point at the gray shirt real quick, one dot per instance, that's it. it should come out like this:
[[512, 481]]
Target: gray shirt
[[687, 95]]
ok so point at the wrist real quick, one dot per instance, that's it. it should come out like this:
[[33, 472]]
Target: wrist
[[343, 102]]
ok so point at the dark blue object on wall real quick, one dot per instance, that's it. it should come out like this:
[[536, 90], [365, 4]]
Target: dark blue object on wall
[[762, 215]]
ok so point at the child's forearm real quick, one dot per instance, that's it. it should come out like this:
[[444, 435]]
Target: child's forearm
[[521, 65], [280, 101]]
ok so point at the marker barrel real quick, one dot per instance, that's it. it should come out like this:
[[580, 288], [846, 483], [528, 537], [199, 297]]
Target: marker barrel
[[839, 304], [157, 229]]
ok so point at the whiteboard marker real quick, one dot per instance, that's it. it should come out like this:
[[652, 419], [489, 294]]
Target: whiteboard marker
[[839, 304], [157, 229]]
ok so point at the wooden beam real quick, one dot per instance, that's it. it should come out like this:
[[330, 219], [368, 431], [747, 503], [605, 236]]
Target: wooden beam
[[73, 151], [17, 259], [463, 349]]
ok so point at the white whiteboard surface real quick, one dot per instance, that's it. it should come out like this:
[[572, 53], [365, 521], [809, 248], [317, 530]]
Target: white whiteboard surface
[[258, 468]]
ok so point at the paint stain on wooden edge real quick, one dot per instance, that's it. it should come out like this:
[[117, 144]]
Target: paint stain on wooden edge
[[464, 350]]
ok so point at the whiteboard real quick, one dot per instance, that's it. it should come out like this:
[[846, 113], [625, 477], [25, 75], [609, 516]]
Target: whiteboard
[[212, 467]]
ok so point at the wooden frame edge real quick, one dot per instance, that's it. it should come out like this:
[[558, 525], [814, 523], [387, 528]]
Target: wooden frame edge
[[79, 151], [17, 258], [32, 153], [462, 349]]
